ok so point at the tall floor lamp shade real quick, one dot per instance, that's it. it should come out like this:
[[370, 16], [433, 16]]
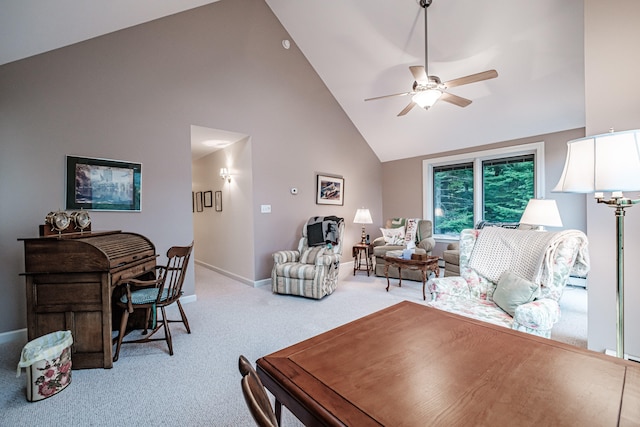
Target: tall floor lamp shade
[[609, 162]]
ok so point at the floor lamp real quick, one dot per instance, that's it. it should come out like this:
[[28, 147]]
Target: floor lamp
[[609, 162]]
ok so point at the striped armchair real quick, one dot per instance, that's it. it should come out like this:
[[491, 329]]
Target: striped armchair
[[312, 270]]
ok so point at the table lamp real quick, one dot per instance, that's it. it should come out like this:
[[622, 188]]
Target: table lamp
[[541, 213], [363, 216], [607, 162]]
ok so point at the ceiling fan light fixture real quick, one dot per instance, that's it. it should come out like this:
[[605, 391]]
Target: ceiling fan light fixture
[[428, 89], [426, 98]]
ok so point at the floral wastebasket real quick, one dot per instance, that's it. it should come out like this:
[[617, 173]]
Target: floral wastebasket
[[47, 360]]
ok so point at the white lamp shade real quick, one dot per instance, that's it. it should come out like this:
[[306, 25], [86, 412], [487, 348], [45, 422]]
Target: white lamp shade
[[542, 212], [607, 162], [427, 98], [363, 216]]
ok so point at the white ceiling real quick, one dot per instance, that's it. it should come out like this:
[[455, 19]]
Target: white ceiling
[[205, 140], [363, 48]]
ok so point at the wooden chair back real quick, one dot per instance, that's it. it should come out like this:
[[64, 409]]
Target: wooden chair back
[[173, 274], [256, 396], [167, 287]]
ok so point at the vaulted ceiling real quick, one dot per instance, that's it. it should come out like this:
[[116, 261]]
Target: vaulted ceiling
[[363, 48]]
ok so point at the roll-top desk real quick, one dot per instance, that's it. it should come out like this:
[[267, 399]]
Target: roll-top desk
[[69, 283]]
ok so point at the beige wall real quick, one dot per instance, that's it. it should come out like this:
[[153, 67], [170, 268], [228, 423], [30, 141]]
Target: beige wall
[[612, 89], [133, 95], [402, 186]]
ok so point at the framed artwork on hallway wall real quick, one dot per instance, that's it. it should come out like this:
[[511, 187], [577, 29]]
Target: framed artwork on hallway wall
[[199, 207], [208, 202], [218, 201], [329, 190]]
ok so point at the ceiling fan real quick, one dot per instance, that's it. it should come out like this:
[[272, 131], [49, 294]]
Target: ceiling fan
[[427, 90]]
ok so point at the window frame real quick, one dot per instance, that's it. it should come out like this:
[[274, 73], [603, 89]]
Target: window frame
[[477, 157]]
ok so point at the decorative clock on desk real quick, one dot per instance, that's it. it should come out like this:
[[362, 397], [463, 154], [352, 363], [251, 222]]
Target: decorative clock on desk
[[81, 220], [59, 221]]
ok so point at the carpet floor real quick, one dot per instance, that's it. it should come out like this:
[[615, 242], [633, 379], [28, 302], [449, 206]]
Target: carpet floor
[[200, 385]]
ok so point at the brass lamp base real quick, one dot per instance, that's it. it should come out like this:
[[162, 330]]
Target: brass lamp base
[[619, 203]]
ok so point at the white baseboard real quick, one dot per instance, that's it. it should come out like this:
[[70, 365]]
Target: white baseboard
[[10, 336], [346, 269], [252, 283], [627, 356], [188, 298], [577, 281]]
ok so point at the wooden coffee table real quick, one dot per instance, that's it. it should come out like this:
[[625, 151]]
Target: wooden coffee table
[[430, 264]]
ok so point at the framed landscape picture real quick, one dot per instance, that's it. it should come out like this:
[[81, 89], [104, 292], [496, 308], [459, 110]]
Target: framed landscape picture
[[329, 190], [103, 184]]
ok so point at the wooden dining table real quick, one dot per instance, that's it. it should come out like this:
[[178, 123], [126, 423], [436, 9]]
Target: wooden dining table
[[414, 365]]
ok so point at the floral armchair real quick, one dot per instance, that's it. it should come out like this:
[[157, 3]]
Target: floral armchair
[[312, 270], [531, 304]]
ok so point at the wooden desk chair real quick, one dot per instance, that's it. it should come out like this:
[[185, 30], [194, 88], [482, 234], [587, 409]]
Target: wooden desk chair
[[151, 295], [256, 396]]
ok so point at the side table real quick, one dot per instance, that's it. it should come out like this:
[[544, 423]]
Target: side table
[[359, 252], [430, 264]]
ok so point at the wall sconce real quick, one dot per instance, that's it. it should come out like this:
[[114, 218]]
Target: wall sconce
[[225, 175]]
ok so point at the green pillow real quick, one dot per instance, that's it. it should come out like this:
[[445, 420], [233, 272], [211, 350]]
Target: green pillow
[[512, 291], [398, 222]]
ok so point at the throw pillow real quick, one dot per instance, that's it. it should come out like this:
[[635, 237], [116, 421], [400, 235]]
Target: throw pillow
[[309, 255], [410, 233], [398, 222], [512, 291], [393, 236]]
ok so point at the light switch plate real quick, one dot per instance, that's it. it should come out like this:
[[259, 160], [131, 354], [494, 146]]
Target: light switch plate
[[265, 208]]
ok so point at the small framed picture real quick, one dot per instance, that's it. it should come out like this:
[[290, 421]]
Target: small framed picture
[[199, 201], [218, 201], [329, 190], [208, 199]]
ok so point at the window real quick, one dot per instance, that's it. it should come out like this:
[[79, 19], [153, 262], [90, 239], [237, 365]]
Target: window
[[507, 186], [493, 185], [452, 198]]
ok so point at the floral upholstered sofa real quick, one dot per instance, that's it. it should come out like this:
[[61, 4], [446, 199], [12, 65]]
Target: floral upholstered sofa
[[512, 278]]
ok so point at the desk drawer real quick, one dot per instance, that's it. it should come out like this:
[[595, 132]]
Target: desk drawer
[[133, 271]]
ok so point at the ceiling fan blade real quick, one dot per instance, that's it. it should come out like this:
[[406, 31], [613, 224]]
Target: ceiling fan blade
[[485, 75], [407, 109], [419, 73], [389, 96], [455, 99]]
